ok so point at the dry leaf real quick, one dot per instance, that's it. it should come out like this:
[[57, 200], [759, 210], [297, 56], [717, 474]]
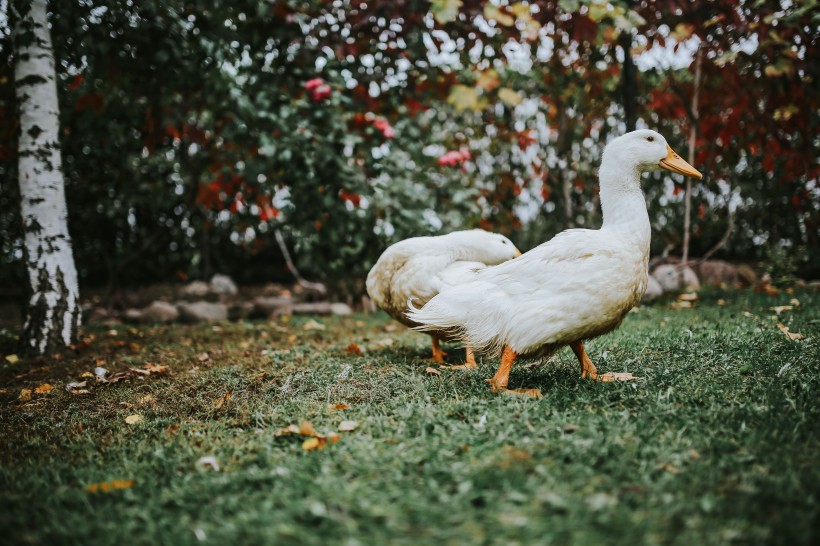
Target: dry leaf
[[337, 407], [219, 402], [25, 395], [313, 325], [791, 335], [107, 487], [780, 308], [133, 419], [156, 368], [689, 296], [260, 376], [290, 429], [431, 371], [12, 359], [203, 357], [669, 468], [306, 428], [570, 428], [313, 443], [87, 375], [348, 426], [71, 387], [681, 305], [354, 349], [45, 388]]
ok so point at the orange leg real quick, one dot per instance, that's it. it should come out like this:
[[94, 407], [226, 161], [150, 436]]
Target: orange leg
[[502, 376], [469, 362], [588, 369], [438, 352]]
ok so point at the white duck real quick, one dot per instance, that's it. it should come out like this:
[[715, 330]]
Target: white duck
[[420, 267], [576, 286]]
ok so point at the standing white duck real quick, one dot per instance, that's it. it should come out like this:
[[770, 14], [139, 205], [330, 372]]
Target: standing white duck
[[420, 267], [576, 286]]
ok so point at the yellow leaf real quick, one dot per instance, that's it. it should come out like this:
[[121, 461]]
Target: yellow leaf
[[133, 419], [107, 487], [690, 296], [25, 395], [45, 388], [492, 13], [348, 426], [311, 444], [306, 428], [12, 359], [509, 96], [465, 98], [337, 407], [445, 11]]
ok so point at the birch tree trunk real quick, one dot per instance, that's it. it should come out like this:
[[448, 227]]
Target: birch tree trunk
[[53, 313]]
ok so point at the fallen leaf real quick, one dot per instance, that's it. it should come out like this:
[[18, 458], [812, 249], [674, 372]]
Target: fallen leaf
[[133, 419], [793, 336], [681, 305], [313, 325], [780, 308], [260, 376], [445, 11], [208, 462], [156, 368], [203, 357], [45, 388], [219, 402], [337, 407], [570, 428], [431, 371], [88, 375], [312, 443], [12, 359], [75, 385], [354, 349], [721, 302], [290, 429], [689, 296], [348, 426], [306, 428], [25, 395], [107, 487]]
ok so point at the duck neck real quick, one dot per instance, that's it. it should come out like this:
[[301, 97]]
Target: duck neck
[[622, 202]]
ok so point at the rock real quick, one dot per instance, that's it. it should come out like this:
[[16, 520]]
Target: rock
[[747, 276], [341, 309], [240, 310], [132, 316], [718, 272], [674, 278], [96, 314], [196, 289], [223, 285], [667, 277], [315, 308], [200, 311], [160, 311], [689, 279], [267, 306], [653, 290]]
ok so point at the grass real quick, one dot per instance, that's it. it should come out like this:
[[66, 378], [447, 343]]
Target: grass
[[718, 444]]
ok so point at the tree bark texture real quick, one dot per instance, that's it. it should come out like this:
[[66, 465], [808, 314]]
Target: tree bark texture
[[53, 313]]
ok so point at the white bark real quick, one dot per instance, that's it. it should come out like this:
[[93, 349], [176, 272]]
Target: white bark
[[53, 315]]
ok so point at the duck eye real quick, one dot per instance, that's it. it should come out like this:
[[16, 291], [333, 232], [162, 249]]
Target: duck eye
[[650, 138]]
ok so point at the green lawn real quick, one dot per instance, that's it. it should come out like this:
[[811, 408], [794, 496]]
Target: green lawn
[[719, 443]]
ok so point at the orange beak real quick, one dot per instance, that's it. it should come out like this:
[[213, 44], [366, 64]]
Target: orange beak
[[517, 253], [675, 163]]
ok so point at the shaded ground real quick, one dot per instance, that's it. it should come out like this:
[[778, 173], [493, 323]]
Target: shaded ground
[[717, 444]]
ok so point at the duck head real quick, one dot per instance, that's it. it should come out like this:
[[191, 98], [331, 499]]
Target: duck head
[[488, 247], [646, 150]]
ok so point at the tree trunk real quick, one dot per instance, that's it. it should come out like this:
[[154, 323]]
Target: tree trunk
[[693, 133], [629, 82], [53, 313]]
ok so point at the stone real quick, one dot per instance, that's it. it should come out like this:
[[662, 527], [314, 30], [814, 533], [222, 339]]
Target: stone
[[312, 308], [223, 285], [653, 290], [340, 309], [266, 306], [201, 311], [668, 277], [689, 279], [747, 276], [160, 311], [132, 316], [195, 289], [718, 272], [240, 311]]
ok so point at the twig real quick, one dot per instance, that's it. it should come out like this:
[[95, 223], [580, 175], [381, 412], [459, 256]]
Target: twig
[[693, 131], [300, 280]]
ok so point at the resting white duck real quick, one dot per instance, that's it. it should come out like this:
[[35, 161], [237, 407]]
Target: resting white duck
[[576, 286], [420, 267]]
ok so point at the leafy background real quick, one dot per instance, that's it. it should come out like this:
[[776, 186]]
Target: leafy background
[[189, 136]]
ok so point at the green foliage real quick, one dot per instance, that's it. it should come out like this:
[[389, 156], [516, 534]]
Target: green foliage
[[723, 427]]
